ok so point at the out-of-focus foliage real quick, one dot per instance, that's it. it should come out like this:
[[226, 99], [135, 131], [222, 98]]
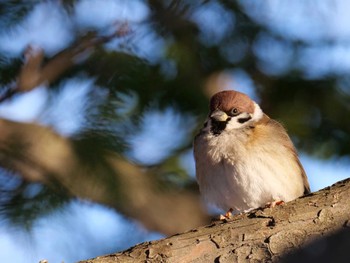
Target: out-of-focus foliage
[[12, 12], [175, 57]]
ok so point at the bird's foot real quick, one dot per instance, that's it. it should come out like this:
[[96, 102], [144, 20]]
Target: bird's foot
[[274, 203], [227, 215]]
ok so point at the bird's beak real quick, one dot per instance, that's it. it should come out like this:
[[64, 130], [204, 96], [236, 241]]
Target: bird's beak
[[219, 115]]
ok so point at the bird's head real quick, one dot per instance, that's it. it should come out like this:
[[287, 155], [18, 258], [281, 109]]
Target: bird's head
[[231, 110]]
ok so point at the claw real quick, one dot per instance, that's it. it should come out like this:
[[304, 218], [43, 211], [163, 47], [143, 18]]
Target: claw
[[274, 203], [227, 215]]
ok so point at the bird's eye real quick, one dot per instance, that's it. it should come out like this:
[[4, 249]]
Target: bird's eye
[[234, 112]]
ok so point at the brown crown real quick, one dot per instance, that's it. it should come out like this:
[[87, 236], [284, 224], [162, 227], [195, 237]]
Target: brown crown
[[228, 99]]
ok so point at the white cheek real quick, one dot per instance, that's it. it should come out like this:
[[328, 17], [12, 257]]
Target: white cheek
[[234, 124], [258, 113], [256, 116]]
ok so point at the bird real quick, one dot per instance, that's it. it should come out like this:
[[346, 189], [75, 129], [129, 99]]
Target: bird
[[244, 159]]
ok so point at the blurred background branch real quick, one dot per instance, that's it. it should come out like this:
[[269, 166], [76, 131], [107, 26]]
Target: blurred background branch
[[45, 157]]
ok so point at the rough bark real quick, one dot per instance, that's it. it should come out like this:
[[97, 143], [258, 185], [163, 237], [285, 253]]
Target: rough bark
[[263, 235]]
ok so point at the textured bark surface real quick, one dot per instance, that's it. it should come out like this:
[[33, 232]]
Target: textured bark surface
[[263, 235]]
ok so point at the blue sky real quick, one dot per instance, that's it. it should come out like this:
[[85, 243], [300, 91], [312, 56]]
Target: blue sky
[[54, 236]]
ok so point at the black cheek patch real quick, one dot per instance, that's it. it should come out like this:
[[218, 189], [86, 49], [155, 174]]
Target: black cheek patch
[[243, 120]]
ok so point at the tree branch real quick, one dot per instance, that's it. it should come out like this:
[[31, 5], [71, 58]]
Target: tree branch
[[38, 154], [35, 71], [263, 235]]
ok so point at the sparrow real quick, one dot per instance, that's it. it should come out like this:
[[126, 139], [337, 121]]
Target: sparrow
[[244, 159]]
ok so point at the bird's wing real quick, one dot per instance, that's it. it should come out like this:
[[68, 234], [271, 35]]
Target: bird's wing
[[287, 142]]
